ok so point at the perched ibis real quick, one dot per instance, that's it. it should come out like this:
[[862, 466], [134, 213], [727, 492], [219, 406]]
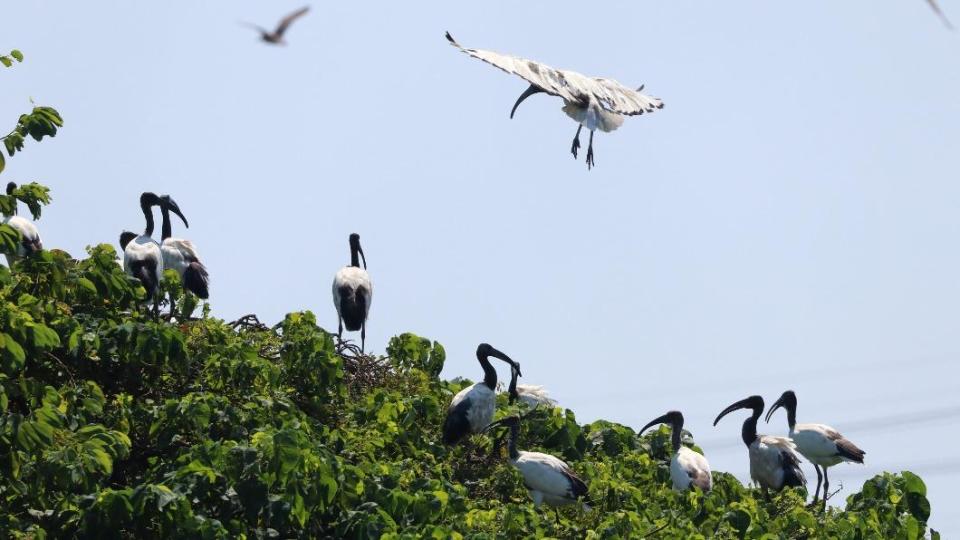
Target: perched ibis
[[592, 102], [353, 293], [142, 258], [275, 37], [471, 410], [687, 467], [773, 462], [547, 478], [819, 443], [181, 255], [30, 242]]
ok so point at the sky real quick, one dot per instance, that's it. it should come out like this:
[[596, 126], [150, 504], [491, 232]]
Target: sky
[[788, 220]]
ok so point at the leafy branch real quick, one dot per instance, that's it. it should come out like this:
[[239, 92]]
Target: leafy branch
[[8, 60], [39, 123]]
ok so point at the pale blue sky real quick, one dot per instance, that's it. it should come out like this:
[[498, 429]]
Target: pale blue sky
[[789, 219]]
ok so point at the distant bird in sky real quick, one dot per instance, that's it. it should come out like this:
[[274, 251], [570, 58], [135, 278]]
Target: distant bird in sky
[[936, 9], [30, 242], [181, 255], [276, 37], [593, 102], [353, 293]]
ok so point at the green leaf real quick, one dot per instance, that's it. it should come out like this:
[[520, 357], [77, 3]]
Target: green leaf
[[5, 60], [17, 54]]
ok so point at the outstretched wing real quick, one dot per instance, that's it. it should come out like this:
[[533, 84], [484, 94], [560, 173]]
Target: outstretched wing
[[569, 85], [936, 9], [288, 20]]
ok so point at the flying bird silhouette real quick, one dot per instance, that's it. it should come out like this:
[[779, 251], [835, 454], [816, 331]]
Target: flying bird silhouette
[[943, 17], [276, 37], [592, 102]]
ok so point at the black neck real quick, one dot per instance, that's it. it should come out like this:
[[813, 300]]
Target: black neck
[[489, 374], [148, 214], [512, 443], [354, 256], [749, 432], [675, 436], [165, 228], [791, 415]]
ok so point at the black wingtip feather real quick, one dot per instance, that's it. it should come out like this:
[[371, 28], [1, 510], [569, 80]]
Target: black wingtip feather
[[197, 280], [450, 38]]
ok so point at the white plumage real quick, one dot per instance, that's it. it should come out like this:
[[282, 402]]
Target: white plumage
[[534, 396], [471, 409], [482, 402], [593, 102], [770, 459], [353, 293], [30, 241], [822, 445], [142, 258], [773, 462], [687, 467], [548, 479]]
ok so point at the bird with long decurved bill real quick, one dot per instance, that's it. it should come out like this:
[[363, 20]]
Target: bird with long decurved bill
[[592, 102], [181, 256], [819, 443], [687, 467], [548, 479], [353, 293], [774, 463], [471, 410], [30, 241], [142, 258]]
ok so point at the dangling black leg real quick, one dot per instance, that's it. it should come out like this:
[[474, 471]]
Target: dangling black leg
[[826, 488], [816, 493], [340, 330], [557, 514], [576, 142], [590, 152], [172, 306], [363, 335]]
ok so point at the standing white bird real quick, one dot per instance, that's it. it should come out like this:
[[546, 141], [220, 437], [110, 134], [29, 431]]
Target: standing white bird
[[181, 255], [548, 479], [471, 410], [593, 102], [353, 293], [142, 258], [819, 443], [773, 462], [30, 242], [687, 467]]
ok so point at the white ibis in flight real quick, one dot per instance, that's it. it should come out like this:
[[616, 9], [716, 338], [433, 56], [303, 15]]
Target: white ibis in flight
[[30, 242], [181, 255], [548, 479], [687, 467], [819, 443], [276, 36], [353, 293], [773, 462], [592, 102], [141, 254], [471, 410]]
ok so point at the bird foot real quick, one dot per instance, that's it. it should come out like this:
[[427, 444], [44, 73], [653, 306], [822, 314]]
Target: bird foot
[[590, 162], [575, 147]]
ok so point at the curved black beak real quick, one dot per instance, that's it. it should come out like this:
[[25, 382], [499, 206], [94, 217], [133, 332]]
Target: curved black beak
[[773, 408], [514, 366], [508, 421], [533, 89], [175, 208], [665, 419], [362, 256], [742, 404], [512, 390]]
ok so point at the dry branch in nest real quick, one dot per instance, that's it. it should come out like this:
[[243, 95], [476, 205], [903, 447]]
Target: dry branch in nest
[[248, 322], [363, 371]]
